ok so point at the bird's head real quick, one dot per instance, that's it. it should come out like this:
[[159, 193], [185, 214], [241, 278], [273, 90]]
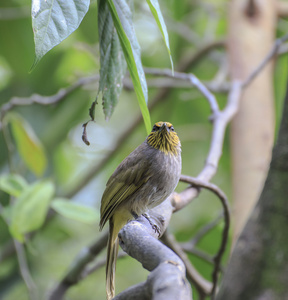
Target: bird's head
[[164, 138]]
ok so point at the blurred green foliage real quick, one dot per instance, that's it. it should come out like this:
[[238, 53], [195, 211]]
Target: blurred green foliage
[[53, 248]]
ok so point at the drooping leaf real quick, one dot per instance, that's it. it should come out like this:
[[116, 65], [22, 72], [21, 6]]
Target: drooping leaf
[[13, 184], [53, 21], [29, 146], [30, 209], [75, 211], [112, 60], [122, 18], [156, 11]]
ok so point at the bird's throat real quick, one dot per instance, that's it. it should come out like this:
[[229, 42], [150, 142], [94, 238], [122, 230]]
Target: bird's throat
[[164, 141]]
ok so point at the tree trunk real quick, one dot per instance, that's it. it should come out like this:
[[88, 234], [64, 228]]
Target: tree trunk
[[250, 37], [259, 264]]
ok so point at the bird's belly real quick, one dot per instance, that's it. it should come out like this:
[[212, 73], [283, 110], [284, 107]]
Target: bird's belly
[[152, 195]]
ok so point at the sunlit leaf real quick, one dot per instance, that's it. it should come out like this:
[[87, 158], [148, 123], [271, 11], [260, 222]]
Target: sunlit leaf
[[53, 21], [156, 11], [13, 184], [29, 146], [30, 209], [112, 60], [75, 211], [122, 18]]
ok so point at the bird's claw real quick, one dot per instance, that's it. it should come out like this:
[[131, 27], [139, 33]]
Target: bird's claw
[[155, 227]]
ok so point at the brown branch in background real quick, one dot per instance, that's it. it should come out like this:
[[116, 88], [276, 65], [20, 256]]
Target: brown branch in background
[[74, 274], [201, 284], [24, 271], [201, 53], [273, 52], [45, 100], [99, 264], [201, 254], [201, 233]]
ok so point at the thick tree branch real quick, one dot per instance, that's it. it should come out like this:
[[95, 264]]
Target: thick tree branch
[[167, 278]]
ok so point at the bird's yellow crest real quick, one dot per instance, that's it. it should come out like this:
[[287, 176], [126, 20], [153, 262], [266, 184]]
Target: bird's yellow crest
[[164, 138]]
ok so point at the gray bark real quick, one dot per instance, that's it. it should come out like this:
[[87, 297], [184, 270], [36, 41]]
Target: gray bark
[[167, 278]]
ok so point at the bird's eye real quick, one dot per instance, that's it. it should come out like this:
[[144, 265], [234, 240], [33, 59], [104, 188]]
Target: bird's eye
[[172, 128], [155, 128]]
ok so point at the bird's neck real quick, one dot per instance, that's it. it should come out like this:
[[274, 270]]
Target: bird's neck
[[168, 144]]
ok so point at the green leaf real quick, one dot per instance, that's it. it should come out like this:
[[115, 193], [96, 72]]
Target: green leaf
[[30, 209], [53, 21], [29, 146], [155, 9], [75, 211], [112, 60], [13, 184], [122, 18]]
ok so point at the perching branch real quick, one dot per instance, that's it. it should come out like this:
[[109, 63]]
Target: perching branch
[[167, 277]]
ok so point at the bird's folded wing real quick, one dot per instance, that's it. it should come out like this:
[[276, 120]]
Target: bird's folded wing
[[120, 187]]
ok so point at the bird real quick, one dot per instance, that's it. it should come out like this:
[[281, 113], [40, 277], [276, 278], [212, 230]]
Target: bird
[[143, 180]]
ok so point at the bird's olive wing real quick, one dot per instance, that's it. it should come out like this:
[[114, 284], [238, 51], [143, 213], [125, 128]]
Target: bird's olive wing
[[129, 177]]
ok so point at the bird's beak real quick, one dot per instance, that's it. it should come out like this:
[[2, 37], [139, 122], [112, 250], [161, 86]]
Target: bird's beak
[[164, 126]]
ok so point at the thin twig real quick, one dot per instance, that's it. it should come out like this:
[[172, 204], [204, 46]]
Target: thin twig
[[74, 274], [200, 283], [217, 191], [273, 52], [202, 232], [24, 270], [44, 100], [200, 254], [99, 264]]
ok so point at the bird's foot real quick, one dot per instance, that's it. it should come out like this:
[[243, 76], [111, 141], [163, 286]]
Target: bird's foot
[[155, 227]]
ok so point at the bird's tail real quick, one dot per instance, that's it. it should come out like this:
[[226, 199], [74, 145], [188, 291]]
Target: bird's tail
[[112, 253]]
